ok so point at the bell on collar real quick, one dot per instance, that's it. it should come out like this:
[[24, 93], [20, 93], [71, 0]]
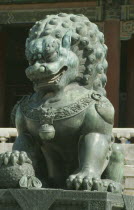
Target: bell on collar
[[46, 132]]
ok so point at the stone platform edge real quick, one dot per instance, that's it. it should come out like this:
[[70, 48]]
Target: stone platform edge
[[58, 199]]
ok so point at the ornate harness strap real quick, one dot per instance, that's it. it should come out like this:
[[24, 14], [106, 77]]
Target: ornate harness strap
[[50, 114]]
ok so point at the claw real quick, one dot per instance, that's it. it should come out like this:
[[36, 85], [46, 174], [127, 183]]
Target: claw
[[15, 157], [23, 153], [77, 183], [97, 184], [21, 159], [14, 160], [8, 154], [87, 184], [111, 188], [105, 186], [6, 160], [90, 184], [69, 184], [16, 153]]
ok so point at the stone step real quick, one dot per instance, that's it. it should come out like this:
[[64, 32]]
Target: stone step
[[129, 170]]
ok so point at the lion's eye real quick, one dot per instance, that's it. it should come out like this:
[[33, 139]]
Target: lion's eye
[[34, 59], [31, 62]]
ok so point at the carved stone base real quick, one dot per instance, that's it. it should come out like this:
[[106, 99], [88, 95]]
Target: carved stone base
[[53, 199]]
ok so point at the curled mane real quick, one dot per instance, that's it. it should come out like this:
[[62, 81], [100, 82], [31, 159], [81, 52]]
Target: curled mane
[[87, 42]]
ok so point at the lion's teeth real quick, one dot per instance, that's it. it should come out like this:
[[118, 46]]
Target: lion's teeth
[[56, 77]]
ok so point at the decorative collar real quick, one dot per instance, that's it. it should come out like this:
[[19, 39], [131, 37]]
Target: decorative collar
[[48, 115]]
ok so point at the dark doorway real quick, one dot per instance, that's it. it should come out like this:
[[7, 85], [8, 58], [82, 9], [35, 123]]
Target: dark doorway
[[126, 115], [17, 84]]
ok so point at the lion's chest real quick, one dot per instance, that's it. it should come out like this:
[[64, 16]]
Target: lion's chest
[[66, 118], [65, 128]]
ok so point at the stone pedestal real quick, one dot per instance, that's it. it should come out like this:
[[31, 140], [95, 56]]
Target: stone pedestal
[[53, 199]]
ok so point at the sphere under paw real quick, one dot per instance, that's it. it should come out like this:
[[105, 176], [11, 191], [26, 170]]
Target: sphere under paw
[[10, 175]]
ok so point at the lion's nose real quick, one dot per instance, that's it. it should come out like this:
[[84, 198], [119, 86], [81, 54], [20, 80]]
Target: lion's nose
[[42, 69]]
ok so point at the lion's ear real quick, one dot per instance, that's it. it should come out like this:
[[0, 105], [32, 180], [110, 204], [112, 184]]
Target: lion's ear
[[66, 40]]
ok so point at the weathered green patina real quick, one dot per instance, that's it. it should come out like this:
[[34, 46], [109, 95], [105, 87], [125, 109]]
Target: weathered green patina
[[65, 127]]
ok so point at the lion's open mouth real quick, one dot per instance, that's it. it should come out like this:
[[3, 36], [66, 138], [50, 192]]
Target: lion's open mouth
[[53, 78]]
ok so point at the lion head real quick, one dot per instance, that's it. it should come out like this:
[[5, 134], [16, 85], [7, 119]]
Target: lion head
[[66, 48]]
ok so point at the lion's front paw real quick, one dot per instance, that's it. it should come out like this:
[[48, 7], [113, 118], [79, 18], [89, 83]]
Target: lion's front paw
[[13, 166], [14, 157], [84, 180], [88, 181]]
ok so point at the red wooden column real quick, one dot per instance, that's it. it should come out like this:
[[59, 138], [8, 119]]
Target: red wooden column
[[112, 39], [130, 84], [2, 77]]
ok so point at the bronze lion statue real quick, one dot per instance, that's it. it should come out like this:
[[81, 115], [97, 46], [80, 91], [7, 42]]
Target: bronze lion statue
[[65, 127]]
